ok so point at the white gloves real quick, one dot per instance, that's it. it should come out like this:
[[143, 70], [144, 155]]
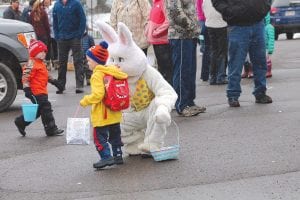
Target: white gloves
[[162, 115]]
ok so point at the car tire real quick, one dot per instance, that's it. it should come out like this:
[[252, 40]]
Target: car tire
[[8, 87], [289, 36]]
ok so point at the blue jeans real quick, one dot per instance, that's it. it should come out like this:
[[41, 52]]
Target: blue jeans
[[244, 39], [184, 71], [105, 134]]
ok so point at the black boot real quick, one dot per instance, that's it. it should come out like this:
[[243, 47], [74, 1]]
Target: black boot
[[20, 125], [49, 124], [55, 132], [57, 84], [103, 163]]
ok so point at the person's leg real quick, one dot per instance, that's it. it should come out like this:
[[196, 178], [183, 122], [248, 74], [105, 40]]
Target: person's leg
[[223, 49], [205, 58], [214, 55], [47, 117], [21, 124], [20, 121], [164, 60], [257, 54], [184, 73], [63, 53], [201, 37], [77, 58], [102, 146], [116, 143], [239, 38]]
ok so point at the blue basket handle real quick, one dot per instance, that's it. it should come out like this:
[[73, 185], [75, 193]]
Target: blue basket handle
[[34, 99]]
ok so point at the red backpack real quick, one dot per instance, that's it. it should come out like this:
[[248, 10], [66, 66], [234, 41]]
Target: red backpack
[[116, 93]]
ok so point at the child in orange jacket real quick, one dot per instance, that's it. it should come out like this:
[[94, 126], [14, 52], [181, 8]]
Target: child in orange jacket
[[35, 78]]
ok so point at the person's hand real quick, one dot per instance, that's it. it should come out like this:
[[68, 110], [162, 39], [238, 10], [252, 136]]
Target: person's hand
[[162, 115], [82, 103], [28, 92]]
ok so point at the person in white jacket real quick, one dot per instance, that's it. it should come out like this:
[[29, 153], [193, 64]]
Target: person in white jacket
[[217, 33]]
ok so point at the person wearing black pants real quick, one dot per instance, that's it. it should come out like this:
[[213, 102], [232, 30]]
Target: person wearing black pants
[[69, 24], [35, 78], [217, 35], [218, 55], [164, 61], [64, 47]]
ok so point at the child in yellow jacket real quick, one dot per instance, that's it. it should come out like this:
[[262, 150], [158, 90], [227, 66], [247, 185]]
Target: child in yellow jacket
[[106, 122]]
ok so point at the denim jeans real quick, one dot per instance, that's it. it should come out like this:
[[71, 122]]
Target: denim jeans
[[184, 71], [164, 60], [105, 134], [64, 46], [205, 57], [218, 53], [244, 39]]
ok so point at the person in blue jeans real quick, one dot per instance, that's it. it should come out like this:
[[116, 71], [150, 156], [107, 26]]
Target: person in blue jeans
[[246, 34], [183, 33]]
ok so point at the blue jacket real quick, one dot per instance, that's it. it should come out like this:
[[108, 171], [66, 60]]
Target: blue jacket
[[87, 42], [69, 20]]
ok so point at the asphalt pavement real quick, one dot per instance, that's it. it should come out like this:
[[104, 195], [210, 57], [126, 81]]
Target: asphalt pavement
[[246, 153]]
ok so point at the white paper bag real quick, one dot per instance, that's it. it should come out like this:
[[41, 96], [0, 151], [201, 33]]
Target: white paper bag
[[78, 131]]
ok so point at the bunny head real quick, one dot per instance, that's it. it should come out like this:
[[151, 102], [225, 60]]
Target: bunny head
[[123, 51]]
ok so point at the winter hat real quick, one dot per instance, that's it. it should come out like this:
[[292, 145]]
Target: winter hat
[[35, 47], [98, 53]]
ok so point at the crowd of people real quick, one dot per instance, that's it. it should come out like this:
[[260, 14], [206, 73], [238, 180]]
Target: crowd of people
[[236, 34]]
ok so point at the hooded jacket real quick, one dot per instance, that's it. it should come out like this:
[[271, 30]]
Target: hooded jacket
[[269, 35], [97, 95], [158, 24], [69, 20], [242, 12]]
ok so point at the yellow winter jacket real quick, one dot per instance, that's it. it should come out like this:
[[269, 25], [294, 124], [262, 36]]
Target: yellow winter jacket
[[97, 95]]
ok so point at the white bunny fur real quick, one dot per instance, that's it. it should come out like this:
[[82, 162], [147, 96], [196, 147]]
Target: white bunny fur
[[142, 131]]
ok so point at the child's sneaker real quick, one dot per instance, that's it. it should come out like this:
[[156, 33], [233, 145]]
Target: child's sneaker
[[118, 160], [103, 163]]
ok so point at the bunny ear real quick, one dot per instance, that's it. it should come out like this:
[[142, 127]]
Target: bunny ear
[[125, 36], [107, 32]]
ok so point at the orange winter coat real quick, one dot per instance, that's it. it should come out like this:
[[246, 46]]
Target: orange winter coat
[[35, 76]]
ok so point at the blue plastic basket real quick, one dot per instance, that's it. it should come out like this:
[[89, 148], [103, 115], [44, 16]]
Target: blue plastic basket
[[30, 111], [169, 152]]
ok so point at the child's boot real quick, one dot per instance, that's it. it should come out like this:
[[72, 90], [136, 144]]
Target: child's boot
[[21, 125], [117, 152], [106, 158], [49, 124]]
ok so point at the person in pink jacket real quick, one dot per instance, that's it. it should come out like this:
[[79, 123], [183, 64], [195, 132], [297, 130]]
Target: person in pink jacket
[[157, 35]]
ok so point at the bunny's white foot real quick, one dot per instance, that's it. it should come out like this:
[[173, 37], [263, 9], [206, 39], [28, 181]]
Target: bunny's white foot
[[148, 147]]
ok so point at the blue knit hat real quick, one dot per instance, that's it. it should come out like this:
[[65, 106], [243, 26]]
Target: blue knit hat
[[98, 53]]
